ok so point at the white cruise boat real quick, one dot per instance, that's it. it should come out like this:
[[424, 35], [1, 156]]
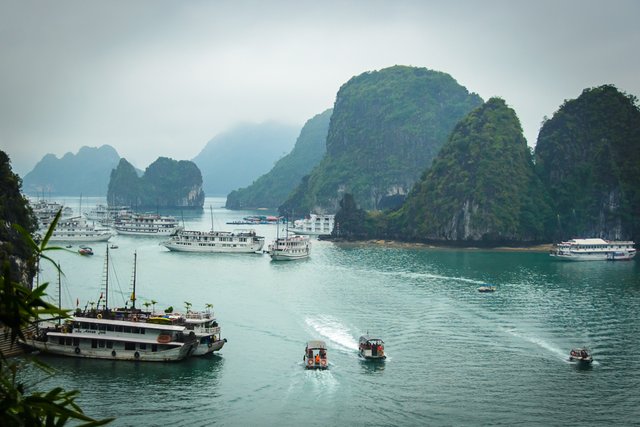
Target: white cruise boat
[[594, 250], [103, 335], [238, 241], [204, 325], [314, 225], [77, 229], [106, 215], [45, 211], [290, 248], [146, 225]]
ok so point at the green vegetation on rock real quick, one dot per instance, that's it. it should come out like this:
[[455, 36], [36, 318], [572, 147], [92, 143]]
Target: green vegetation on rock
[[481, 186], [386, 128], [166, 183], [588, 155], [272, 189]]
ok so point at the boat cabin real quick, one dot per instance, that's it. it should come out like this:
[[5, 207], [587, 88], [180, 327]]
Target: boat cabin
[[371, 348], [315, 355]]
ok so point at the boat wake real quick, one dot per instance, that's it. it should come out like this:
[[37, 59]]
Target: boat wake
[[561, 354], [334, 331]]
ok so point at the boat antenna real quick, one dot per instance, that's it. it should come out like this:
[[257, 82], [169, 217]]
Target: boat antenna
[[133, 294], [211, 210]]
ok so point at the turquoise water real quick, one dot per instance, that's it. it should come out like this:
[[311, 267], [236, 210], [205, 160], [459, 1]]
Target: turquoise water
[[455, 356]]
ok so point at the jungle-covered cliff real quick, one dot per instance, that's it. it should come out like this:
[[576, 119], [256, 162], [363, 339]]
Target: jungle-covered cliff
[[481, 187], [17, 260], [588, 156], [272, 189], [386, 128], [166, 183]]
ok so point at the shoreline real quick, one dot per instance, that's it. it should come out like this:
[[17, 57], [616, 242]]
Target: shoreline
[[542, 248]]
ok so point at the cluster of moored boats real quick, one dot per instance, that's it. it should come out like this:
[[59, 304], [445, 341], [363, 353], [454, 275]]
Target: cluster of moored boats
[[120, 219]]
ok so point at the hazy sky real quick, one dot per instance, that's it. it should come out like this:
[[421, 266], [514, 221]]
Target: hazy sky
[[155, 77]]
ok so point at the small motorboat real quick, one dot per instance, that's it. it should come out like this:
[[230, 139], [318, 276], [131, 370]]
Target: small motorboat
[[85, 250], [580, 355], [315, 355], [487, 288], [113, 247], [371, 348]]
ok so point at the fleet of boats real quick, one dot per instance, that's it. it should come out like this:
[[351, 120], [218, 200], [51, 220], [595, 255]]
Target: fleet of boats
[[133, 334], [594, 250]]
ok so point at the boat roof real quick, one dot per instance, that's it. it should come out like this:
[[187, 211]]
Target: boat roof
[[369, 338], [142, 324], [316, 344]]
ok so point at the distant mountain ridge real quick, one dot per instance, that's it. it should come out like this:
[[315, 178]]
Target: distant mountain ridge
[[86, 173], [234, 159], [272, 189]]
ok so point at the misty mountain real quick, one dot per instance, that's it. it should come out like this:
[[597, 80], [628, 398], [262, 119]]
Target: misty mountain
[[270, 190], [236, 158], [86, 173]]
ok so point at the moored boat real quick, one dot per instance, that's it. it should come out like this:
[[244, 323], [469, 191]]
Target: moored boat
[[371, 348], [594, 250], [581, 355], [146, 225], [487, 288], [237, 241], [290, 248], [104, 336], [315, 355], [314, 225], [76, 229]]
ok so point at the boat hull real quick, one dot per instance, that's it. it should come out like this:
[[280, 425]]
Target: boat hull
[[626, 256], [83, 239], [80, 351], [254, 248]]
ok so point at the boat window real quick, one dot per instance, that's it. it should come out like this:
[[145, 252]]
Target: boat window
[[68, 341], [129, 346], [127, 329], [142, 330], [142, 346], [154, 347], [101, 343], [135, 330], [109, 344], [110, 328], [118, 328], [76, 342], [93, 326], [61, 340], [94, 343]]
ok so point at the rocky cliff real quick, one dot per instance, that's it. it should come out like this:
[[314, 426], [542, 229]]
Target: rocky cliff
[[386, 128]]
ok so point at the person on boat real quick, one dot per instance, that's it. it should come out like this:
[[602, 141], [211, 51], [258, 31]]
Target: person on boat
[[323, 354], [317, 359]]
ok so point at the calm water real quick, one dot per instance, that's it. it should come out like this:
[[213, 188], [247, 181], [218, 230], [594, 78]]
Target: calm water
[[456, 356]]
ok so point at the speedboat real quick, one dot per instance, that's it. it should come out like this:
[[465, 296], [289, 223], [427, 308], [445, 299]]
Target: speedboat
[[487, 288], [315, 355], [580, 355], [85, 250], [371, 348]]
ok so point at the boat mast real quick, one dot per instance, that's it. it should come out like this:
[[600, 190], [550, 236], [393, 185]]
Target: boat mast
[[106, 280], [59, 294], [211, 210], [133, 295]]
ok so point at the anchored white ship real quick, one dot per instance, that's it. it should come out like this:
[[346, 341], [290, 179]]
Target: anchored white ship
[[594, 250]]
